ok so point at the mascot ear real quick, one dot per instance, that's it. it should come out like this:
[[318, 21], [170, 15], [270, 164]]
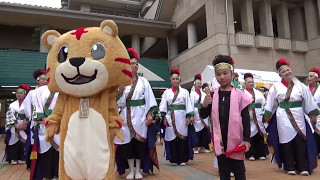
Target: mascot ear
[[49, 38], [109, 27]]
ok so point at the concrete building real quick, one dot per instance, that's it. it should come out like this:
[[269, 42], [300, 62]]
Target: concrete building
[[256, 33], [189, 33], [21, 27]]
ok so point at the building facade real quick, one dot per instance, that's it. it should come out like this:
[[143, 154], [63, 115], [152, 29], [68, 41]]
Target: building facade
[[256, 33]]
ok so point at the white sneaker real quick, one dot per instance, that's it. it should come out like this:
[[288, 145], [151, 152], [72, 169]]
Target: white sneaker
[[130, 175], [196, 152], [304, 173], [14, 162], [138, 175], [252, 158], [173, 164], [291, 172], [183, 164], [231, 174], [203, 150], [21, 162], [262, 158]]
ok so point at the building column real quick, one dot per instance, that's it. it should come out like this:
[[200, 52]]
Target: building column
[[192, 34], [173, 46], [297, 24], [283, 21], [247, 21], [265, 18], [312, 20], [64, 4], [43, 29], [318, 1], [135, 42], [216, 17]]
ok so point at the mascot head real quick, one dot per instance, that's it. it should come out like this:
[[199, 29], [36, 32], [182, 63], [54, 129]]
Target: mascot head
[[85, 61]]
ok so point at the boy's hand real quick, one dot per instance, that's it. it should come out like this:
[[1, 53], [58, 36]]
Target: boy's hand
[[247, 144], [207, 100]]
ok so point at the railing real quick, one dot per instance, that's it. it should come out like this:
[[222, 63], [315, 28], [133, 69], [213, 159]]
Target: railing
[[264, 42], [299, 46], [282, 44], [25, 50], [246, 40]]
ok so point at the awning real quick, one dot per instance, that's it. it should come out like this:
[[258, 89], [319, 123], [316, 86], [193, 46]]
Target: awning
[[156, 71], [17, 68]]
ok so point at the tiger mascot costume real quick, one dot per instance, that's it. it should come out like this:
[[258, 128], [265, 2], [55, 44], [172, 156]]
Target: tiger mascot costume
[[86, 66]]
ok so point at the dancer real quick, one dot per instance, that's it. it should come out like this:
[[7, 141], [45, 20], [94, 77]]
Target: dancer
[[15, 128], [25, 112], [176, 106], [201, 125], [137, 104], [258, 132], [289, 133], [45, 155], [313, 78]]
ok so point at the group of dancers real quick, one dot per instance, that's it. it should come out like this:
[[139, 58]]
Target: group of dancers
[[239, 122], [25, 130]]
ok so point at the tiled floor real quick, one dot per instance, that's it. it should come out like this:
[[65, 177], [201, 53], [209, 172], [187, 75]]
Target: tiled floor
[[201, 168]]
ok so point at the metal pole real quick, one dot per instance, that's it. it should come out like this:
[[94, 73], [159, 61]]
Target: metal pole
[[168, 47], [227, 25]]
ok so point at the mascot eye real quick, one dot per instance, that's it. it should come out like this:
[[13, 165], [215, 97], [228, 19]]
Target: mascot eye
[[97, 51], [63, 54]]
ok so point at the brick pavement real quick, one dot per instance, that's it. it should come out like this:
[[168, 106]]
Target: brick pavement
[[201, 168]]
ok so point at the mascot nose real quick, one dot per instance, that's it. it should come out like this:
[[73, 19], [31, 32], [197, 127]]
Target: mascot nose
[[77, 62]]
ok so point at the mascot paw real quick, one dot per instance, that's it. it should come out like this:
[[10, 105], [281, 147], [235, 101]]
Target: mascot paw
[[49, 138], [52, 128], [116, 121], [119, 135]]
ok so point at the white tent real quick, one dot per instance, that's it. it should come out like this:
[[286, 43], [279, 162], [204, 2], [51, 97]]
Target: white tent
[[261, 78]]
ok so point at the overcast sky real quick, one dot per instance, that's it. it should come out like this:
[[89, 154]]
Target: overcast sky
[[48, 3]]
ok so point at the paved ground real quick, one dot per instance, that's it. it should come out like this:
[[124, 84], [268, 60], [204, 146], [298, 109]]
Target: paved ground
[[201, 168]]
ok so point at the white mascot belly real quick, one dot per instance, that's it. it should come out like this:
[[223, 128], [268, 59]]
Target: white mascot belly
[[86, 148]]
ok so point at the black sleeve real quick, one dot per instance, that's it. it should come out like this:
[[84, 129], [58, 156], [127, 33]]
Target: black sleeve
[[246, 124], [205, 112]]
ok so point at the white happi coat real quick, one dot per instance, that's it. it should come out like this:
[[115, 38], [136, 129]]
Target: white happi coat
[[277, 94], [26, 109], [194, 97], [183, 98], [39, 99], [12, 115], [26, 106], [259, 98], [138, 113], [317, 99]]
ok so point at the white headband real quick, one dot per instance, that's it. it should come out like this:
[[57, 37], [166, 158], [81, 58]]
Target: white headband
[[315, 74]]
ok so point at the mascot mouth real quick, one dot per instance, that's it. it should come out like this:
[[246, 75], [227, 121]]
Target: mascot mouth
[[80, 79]]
